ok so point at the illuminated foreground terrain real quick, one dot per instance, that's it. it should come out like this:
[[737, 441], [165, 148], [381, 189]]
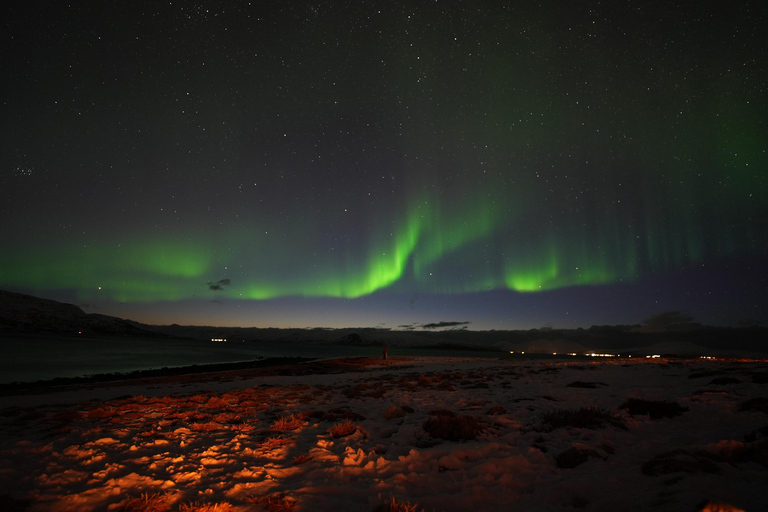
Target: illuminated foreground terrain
[[438, 433]]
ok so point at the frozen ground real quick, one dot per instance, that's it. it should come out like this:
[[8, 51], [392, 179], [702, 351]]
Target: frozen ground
[[440, 433]]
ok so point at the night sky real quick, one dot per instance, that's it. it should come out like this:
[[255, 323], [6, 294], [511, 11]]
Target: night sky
[[363, 163]]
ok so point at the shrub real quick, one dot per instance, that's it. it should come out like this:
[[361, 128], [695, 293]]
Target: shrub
[[347, 428], [586, 417], [453, 428], [656, 409]]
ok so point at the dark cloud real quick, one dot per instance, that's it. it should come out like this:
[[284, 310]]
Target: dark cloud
[[440, 325], [218, 285]]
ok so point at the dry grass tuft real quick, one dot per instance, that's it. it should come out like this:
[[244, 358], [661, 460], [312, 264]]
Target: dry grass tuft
[[210, 426], [288, 423], [274, 502], [216, 402], [206, 507], [344, 429], [391, 505], [301, 459], [145, 503], [275, 442]]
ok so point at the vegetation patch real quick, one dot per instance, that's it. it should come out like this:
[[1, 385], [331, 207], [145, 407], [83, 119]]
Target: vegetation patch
[[656, 409]]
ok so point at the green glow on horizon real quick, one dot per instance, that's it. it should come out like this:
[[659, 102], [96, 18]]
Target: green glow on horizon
[[144, 270], [432, 245]]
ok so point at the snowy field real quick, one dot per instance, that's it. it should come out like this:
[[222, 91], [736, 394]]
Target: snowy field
[[366, 434]]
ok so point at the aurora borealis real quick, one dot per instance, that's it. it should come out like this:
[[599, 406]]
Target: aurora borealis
[[386, 163]]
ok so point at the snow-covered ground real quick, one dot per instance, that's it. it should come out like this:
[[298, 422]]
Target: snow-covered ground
[[438, 433]]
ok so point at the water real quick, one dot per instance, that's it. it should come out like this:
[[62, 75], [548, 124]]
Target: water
[[28, 358], [31, 358]]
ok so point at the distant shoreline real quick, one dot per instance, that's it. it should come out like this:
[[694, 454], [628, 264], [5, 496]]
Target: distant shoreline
[[45, 385]]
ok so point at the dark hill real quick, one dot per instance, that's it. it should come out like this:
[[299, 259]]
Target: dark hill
[[25, 313]]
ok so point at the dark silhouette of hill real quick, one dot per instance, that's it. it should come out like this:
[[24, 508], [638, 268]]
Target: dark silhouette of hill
[[27, 314]]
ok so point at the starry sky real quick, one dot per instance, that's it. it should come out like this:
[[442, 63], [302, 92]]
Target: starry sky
[[364, 163]]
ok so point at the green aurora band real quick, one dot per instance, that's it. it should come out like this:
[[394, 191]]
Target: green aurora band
[[463, 246]]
